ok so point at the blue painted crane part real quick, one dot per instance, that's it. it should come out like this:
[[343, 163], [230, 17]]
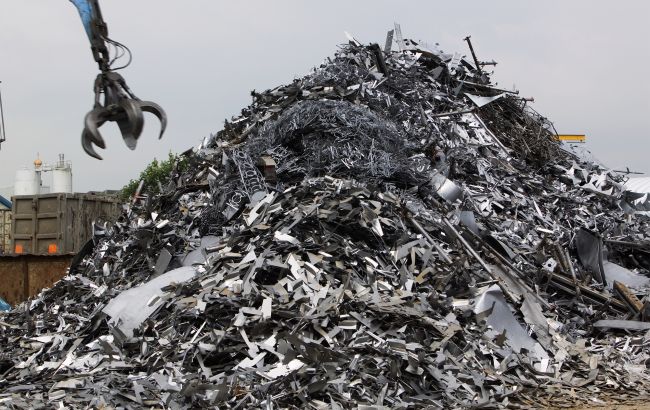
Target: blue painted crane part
[[86, 13]]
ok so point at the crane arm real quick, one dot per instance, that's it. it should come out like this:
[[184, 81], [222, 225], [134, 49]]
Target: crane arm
[[114, 100], [85, 9]]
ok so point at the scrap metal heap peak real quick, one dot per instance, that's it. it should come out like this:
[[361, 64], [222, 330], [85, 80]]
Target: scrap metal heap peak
[[390, 231]]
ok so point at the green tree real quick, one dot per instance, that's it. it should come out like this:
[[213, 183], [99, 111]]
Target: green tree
[[155, 174]]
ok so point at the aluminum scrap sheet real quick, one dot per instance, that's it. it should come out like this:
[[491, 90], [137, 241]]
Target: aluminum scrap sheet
[[130, 308]]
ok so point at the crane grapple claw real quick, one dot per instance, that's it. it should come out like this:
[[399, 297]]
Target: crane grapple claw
[[114, 100], [119, 105], [130, 121], [155, 109]]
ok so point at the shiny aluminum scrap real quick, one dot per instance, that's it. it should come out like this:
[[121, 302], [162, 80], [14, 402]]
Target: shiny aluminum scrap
[[389, 231]]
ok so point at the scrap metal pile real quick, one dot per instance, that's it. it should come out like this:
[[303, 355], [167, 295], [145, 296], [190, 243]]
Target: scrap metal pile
[[390, 231]]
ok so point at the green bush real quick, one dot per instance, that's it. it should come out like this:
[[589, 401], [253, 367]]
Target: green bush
[[155, 173]]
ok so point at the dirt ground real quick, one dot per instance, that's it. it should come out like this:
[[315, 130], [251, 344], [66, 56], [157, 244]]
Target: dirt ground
[[569, 400], [636, 406], [642, 404]]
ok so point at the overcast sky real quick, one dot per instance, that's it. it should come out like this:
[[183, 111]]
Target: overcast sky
[[585, 62]]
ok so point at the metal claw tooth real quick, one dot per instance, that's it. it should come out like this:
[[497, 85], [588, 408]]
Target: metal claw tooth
[[87, 145], [130, 140], [87, 141], [155, 109], [131, 122], [94, 119]]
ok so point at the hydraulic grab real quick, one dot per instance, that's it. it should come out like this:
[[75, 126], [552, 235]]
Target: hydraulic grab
[[114, 100]]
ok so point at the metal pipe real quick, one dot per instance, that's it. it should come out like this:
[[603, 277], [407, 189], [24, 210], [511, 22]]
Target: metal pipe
[[587, 292], [469, 248], [441, 251]]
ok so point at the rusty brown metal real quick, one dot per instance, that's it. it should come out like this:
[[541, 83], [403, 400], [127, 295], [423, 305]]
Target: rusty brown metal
[[630, 298], [5, 229], [24, 276]]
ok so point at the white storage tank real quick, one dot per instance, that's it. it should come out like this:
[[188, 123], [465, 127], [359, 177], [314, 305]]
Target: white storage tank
[[62, 177], [27, 182], [61, 181]]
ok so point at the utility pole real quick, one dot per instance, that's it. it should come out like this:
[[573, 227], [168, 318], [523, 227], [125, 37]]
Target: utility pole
[[2, 121]]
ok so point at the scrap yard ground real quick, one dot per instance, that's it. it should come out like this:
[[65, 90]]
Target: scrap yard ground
[[633, 405]]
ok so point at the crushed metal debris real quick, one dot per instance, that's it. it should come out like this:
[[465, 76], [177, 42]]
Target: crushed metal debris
[[389, 231]]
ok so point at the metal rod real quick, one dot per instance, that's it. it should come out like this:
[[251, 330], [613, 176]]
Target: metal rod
[[489, 87], [445, 114], [565, 261], [440, 251], [507, 266], [494, 137], [3, 135], [639, 245], [469, 248], [476, 62], [587, 292], [629, 172]]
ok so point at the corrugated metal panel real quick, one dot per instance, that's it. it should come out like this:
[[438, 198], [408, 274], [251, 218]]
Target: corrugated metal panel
[[641, 185], [57, 223]]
